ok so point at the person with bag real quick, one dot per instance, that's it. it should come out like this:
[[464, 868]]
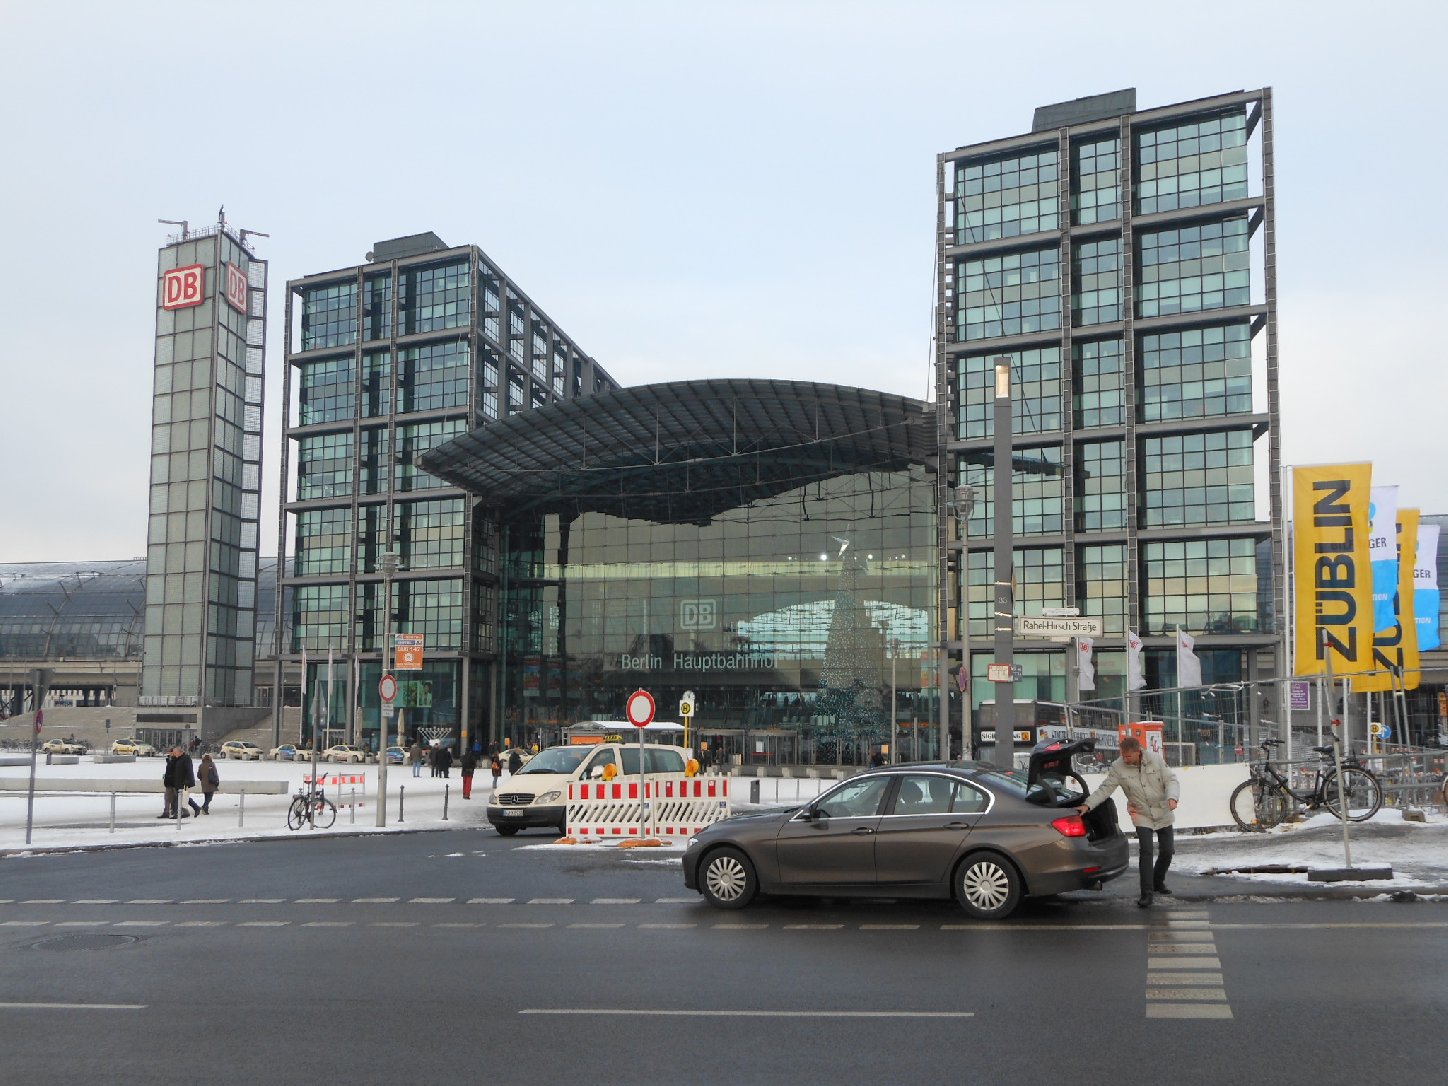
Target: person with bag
[[495, 766], [1151, 790], [178, 776], [208, 779]]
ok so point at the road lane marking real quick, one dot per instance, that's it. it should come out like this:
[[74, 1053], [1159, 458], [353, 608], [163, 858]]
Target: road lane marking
[[675, 900], [615, 901], [674, 1013], [200, 923], [23, 923], [813, 927], [73, 1006], [1184, 963], [1180, 948], [81, 923], [263, 923], [207, 901], [394, 924], [462, 924], [375, 900], [550, 901], [94, 901], [153, 901], [491, 900], [889, 927], [430, 900], [141, 923], [1188, 1010], [254, 901], [525, 925], [739, 927], [317, 901], [44, 901], [666, 927], [1177, 994], [327, 924], [595, 925], [1206, 979]]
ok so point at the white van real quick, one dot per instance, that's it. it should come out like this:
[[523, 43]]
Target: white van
[[537, 795]]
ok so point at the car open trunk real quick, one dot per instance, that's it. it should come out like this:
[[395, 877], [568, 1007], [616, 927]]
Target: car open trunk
[[1052, 768]]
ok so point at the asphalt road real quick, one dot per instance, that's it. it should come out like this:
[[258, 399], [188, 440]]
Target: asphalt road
[[462, 956]]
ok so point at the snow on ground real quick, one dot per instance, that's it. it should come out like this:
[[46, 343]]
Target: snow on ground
[[1417, 852]]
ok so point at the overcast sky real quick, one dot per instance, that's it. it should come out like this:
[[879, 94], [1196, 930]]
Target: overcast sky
[[688, 189]]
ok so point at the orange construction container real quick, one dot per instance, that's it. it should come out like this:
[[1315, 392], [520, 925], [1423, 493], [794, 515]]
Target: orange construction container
[[1150, 732]]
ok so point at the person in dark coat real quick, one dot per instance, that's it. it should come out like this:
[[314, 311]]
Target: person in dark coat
[[442, 758], [208, 779], [495, 766], [178, 774], [515, 761], [469, 766]]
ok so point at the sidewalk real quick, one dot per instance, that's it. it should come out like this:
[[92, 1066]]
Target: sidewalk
[[1207, 866]]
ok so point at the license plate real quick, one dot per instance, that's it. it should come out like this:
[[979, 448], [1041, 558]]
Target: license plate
[[512, 812]]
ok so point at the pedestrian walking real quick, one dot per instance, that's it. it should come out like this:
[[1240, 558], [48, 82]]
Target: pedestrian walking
[[1152, 791], [178, 776], [495, 765], [208, 779], [469, 766], [416, 754]]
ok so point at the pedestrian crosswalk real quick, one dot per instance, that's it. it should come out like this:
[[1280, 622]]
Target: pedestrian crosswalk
[[1183, 970]]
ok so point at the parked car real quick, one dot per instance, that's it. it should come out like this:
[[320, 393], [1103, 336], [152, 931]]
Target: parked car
[[62, 746], [537, 795], [287, 752], [125, 746], [344, 752], [396, 756], [986, 836], [241, 750]]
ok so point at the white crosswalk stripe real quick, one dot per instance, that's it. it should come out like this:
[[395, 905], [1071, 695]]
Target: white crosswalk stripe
[[1183, 971]]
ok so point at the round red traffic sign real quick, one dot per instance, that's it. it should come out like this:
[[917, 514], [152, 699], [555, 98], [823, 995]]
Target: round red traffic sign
[[387, 688], [640, 708]]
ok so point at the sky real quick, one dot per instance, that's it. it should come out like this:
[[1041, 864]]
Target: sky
[[689, 190]]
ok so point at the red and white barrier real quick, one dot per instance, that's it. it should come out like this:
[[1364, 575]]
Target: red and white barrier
[[337, 780], [674, 805]]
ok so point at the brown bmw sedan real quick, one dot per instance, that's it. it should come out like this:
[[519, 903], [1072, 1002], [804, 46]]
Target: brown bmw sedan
[[986, 836]]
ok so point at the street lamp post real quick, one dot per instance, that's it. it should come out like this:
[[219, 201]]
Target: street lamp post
[[1004, 606], [894, 646], [389, 567]]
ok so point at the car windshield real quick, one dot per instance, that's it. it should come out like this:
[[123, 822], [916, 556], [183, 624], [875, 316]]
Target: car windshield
[[556, 760]]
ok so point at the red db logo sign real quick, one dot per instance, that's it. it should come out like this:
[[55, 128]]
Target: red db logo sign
[[235, 287], [183, 287]]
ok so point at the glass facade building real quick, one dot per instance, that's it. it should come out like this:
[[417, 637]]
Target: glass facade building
[[769, 548], [385, 361], [1123, 261], [205, 481]]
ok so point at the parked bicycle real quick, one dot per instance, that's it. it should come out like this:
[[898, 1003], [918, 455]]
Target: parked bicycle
[[311, 805], [1267, 798]]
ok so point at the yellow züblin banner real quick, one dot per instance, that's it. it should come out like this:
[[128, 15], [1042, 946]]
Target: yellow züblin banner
[[1396, 648], [1332, 571]]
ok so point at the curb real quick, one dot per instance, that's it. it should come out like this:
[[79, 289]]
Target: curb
[[317, 835]]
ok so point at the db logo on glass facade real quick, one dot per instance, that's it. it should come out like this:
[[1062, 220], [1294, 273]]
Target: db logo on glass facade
[[698, 614], [183, 287]]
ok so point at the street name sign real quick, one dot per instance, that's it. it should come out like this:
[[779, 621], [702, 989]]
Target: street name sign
[[1043, 626]]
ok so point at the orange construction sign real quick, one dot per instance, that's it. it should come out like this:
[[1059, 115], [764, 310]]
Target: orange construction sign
[[408, 648]]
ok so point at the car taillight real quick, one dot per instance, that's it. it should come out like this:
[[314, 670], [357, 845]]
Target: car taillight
[[1069, 826]]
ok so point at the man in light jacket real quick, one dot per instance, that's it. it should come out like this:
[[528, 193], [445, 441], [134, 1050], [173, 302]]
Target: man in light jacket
[[1151, 798]]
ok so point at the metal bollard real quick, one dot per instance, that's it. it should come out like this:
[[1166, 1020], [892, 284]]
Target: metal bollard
[[241, 812], [400, 793], [354, 807], [113, 812], [445, 789]]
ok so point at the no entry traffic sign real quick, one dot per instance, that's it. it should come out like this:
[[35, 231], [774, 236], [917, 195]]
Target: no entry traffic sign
[[640, 708], [387, 689]]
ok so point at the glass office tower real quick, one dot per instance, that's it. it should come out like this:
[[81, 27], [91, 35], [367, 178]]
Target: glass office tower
[[386, 360], [1123, 261], [205, 492]]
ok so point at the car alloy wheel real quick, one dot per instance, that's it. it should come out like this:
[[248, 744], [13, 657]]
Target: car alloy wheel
[[729, 881], [987, 886]]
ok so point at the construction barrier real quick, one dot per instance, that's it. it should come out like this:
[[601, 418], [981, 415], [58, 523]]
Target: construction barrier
[[336, 780], [673, 805]]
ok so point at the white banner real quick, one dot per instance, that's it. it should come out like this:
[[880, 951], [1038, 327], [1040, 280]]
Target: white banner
[[1085, 669], [1383, 554], [1135, 677], [1425, 588], [1189, 668]]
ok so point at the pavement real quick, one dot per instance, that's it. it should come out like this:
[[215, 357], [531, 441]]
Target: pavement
[[1214, 865]]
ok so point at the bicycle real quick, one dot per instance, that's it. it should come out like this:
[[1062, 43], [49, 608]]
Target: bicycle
[[311, 805], [1266, 798]]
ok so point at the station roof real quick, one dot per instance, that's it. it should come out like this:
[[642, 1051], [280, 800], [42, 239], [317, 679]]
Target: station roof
[[683, 452]]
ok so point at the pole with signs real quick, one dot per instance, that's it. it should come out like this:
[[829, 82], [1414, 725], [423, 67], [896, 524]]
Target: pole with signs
[[384, 716], [34, 745], [640, 713], [1003, 606], [687, 705]]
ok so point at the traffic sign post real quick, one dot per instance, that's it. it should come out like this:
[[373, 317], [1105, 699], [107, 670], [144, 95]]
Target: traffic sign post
[[387, 689], [686, 710], [639, 710]]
